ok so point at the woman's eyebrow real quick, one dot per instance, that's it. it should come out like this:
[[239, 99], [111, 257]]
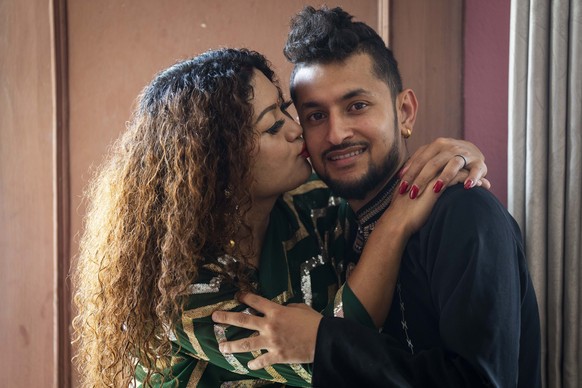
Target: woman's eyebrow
[[265, 111]]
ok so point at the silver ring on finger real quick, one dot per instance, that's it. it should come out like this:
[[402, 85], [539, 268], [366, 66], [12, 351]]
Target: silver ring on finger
[[464, 160]]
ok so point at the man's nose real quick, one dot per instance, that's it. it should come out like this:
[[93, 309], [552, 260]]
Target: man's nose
[[339, 130]]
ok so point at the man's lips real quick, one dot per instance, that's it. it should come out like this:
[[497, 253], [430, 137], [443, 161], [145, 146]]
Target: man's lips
[[333, 158], [344, 153]]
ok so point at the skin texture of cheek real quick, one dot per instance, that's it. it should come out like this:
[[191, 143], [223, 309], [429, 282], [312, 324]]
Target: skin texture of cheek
[[278, 169]]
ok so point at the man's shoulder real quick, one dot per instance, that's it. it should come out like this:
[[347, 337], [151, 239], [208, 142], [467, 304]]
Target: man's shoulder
[[476, 202], [469, 210]]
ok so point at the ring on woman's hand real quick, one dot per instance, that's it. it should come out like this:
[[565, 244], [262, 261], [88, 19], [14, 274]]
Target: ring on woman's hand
[[464, 160]]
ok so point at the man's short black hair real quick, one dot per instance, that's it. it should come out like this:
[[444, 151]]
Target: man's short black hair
[[327, 35]]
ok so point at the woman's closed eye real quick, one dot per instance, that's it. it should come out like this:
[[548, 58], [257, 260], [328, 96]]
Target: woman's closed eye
[[275, 127]]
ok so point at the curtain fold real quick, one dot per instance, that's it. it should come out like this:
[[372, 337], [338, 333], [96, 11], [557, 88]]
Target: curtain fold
[[573, 236], [545, 171]]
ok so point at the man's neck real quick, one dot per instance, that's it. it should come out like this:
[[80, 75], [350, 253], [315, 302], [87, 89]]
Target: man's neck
[[357, 204], [368, 214]]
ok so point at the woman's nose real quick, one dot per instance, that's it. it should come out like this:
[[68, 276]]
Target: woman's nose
[[294, 130]]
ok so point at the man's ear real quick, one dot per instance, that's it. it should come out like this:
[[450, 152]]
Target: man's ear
[[406, 107]]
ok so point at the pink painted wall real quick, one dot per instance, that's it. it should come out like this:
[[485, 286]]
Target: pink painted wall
[[485, 85]]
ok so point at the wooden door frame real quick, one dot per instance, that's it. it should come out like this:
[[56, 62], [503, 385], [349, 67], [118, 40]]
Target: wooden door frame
[[62, 203]]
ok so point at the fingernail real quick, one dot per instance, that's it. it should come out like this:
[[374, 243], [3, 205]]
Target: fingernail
[[403, 187], [402, 171], [468, 184], [438, 186], [413, 191]]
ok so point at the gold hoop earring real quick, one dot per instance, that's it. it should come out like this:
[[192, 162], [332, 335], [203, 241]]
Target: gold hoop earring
[[408, 133]]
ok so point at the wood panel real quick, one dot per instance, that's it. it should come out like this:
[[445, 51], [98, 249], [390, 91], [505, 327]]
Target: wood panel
[[427, 40], [27, 265]]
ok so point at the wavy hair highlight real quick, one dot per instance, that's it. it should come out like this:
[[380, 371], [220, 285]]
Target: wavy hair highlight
[[171, 195]]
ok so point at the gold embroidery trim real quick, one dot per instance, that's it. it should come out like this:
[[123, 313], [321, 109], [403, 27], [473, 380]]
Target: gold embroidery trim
[[206, 311], [188, 326], [275, 376], [301, 372], [309, 186], [189, 315], [197, 374], [301, 232], [283, 297]]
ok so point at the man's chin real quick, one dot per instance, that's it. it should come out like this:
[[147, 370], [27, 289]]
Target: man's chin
[[349, 189]]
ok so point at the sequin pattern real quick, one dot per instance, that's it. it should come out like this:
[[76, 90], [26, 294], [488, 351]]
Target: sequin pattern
[[205, 288], [338, 304], [220, 334], [245, 384], [306, 269]]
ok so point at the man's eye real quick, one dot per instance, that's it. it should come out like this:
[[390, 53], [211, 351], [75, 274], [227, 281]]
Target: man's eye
[[358, 106], [316, 116]]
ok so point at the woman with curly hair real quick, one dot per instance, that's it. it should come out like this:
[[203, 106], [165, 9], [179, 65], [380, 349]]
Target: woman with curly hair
[[203, 196]]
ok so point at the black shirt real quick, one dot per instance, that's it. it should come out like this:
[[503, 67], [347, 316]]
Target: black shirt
[[465, 313]]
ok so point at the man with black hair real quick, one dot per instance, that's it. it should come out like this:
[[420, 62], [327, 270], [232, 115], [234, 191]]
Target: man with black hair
[[464, 311]]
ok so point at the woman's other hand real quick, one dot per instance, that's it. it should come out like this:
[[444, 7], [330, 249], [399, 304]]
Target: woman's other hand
[[446, 159]]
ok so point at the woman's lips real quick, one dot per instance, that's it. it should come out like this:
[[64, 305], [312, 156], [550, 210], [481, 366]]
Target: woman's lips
[[304, 153]]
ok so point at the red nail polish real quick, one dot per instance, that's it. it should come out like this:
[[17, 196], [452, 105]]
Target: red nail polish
[[403, 187], [413, 191], [438, 186], [468, 184]]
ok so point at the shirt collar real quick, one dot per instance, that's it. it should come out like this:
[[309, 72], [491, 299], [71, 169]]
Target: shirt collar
[[371, 212]]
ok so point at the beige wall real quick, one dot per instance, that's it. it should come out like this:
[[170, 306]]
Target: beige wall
[[27, 260], [69, 73]]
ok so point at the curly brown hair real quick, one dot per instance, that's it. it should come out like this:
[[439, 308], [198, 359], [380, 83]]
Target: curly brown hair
[[172, 194]]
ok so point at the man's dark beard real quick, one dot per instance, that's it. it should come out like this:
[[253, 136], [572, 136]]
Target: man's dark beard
[[375, 176]]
